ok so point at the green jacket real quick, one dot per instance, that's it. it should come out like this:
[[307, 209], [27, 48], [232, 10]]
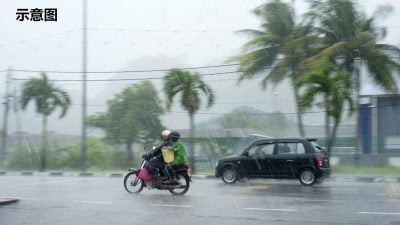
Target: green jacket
[[179, 153]]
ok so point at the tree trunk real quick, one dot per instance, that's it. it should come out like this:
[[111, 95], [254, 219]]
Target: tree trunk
[[357, 109], [192, 142], [327, 122], [298, 110], [129, 151], [333, 137], [43, 150]]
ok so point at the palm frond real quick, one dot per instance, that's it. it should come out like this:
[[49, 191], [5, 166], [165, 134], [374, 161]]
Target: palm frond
[[257, 61], [380, 67], [46, 96], [276, 74], [251, 32]]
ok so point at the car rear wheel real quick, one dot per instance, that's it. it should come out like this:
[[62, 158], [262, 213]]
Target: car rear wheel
[[229, 175], [307, 177]]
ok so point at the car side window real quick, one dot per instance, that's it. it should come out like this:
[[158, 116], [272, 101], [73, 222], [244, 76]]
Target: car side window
[[300, 148], [285, 148], [267, 149], [291, 148], [261, 149]]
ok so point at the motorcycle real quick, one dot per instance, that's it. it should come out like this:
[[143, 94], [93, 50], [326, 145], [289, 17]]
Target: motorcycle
[[136, 179]]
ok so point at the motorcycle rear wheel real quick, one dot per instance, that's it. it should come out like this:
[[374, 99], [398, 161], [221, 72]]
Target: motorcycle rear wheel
[[183, 180], [132, 183]]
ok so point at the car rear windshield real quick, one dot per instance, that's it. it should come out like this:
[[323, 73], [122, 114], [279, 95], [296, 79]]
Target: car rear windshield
[[317, 147]]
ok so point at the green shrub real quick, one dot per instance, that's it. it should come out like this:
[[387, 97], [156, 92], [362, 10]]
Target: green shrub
[[24, 159]]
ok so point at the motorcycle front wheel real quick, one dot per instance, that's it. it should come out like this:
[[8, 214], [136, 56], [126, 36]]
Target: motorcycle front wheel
[[183, 180], [132, 183]]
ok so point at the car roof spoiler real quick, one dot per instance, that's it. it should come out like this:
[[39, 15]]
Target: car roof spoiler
[[311, 139]]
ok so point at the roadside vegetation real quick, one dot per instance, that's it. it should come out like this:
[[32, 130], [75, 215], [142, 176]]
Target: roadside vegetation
[[101, 157], [366, 170]]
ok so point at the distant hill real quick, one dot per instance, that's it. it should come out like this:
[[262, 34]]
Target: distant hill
[[214, 123], [265, 123]]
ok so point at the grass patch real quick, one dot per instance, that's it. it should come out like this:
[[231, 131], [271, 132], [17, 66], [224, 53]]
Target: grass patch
[[363, 170]]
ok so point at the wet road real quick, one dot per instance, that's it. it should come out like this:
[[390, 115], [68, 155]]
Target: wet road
[[77, 200]]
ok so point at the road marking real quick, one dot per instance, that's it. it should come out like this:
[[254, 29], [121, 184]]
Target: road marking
[[45, 182], [262, 209], [379, 213], [322, 200], [92, 202], [256, 187], [177, 206]]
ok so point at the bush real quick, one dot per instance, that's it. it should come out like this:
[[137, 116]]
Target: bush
[[100, 157], [24, 159]]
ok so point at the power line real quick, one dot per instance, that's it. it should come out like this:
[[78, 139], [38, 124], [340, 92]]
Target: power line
[[119, 30], [127, 79], [147, 30], [41, 37], [124, 71], [253, 114], [163, 30]]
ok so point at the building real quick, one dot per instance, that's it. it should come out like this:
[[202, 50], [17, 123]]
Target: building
[[380, 124]]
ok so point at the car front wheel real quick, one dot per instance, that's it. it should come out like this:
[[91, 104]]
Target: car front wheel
[[229, 175], [307, 177]]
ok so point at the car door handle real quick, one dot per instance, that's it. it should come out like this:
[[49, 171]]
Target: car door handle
[[289, 160]]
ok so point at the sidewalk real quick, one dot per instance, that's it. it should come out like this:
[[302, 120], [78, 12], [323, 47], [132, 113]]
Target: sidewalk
[[365, 178]]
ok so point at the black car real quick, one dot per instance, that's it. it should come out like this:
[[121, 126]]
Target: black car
[[290, 158]]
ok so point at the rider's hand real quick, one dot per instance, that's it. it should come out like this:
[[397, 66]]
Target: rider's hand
[[145, 156]]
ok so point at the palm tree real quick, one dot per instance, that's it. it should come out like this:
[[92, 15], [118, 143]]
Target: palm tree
[[351, 41], [277, 50], [189, 86], [336, 92], [47, 99]]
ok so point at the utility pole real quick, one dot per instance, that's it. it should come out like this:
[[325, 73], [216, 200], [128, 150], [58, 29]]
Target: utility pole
[[5, 120], [84, 86], [17, 115], [359, 146]]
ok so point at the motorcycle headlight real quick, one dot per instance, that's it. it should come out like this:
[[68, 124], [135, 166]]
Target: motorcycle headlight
[[216, 163]]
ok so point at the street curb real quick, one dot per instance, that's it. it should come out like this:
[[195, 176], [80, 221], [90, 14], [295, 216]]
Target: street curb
[[56, 174], [116, 175], [85, 174], [27, 173], [6, 201]]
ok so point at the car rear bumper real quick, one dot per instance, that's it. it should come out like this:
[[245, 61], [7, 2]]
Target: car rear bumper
[[324, 172]]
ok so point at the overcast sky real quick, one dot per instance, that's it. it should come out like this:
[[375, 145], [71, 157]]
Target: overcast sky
[[152, 34]]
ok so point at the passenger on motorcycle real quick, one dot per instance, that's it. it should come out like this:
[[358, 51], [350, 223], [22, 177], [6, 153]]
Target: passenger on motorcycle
[[179, 155], [155, 160]]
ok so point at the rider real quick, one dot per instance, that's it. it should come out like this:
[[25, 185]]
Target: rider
[[179, 155], [155, 160]]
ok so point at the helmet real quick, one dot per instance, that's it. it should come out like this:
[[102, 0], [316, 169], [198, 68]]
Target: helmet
[[175, 135], [165, 135]]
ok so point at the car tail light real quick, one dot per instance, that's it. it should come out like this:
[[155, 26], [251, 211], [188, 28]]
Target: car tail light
[[319, 160]]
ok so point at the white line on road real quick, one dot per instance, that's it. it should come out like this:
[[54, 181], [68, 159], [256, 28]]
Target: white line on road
[[379, 213], [281, 210], [93, 202], [46, 182], [177, 206]]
